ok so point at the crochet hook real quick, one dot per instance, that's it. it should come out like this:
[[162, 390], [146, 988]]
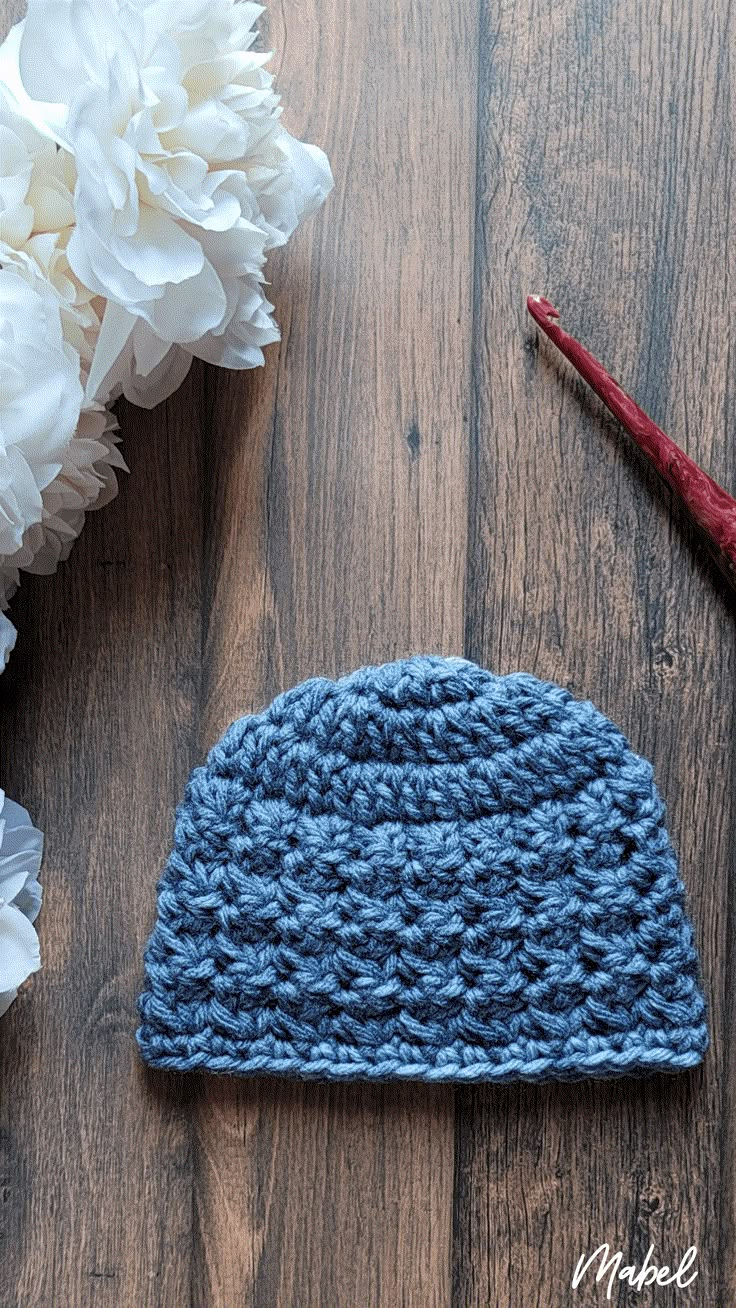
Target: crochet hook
[[708, 504]]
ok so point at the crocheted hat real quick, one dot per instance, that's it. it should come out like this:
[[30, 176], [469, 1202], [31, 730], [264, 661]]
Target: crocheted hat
[[424, 871]]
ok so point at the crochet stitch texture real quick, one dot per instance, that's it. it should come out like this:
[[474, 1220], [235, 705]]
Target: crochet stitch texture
[[422, 870]]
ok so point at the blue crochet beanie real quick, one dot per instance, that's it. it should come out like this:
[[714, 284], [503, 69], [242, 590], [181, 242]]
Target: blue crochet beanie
[[424, 871]]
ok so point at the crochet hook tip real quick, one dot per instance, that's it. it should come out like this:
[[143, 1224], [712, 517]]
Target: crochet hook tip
[[541, 308], [711, 507]]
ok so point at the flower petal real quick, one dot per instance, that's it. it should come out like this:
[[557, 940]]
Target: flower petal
[[47, 118], [19, 949], [8, 636], [189, 309]]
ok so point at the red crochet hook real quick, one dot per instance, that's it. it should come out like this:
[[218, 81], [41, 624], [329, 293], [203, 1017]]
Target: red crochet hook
[[708, 504]]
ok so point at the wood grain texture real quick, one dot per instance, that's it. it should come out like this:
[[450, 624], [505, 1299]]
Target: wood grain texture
[[97, 730], [411, 471], [604, 182]]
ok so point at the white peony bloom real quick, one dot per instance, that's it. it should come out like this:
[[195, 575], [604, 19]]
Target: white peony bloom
[[40, 401], [186, 177], [87, 480], [21, 846], [37, 181], [8, 636]]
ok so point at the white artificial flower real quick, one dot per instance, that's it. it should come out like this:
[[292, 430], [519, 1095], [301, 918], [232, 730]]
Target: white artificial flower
[[21, 846], [186, 177], [8, 636], [37, 181], [87, 480], [40, 401]]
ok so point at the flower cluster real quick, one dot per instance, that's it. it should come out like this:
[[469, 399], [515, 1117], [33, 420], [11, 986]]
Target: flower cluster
[[144, 176]]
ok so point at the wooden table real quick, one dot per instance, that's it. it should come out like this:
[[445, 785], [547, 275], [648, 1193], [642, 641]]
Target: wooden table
[[411, 471]]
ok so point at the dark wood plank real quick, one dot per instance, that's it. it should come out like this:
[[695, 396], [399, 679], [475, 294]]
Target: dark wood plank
[[727, 1225], [97, 717], [605, 180], [336, 538]]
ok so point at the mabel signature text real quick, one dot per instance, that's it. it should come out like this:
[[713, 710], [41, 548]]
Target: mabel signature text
[[606, 1264]]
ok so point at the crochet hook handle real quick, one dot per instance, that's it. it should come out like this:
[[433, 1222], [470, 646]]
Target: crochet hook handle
[[709, 505]]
